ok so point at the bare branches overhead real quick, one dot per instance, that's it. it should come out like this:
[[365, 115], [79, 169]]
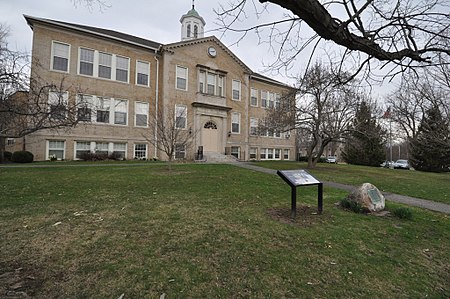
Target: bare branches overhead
[[404, 34]]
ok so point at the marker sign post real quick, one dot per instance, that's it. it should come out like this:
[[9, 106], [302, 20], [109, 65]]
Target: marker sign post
[[300, 177]]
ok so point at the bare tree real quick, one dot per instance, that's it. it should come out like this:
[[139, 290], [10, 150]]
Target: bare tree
[[322, 114], [403, 34], [417, 93], [170, 133], [29, 105]]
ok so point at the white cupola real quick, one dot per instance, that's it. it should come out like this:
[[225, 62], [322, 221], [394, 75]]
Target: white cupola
[[192, 25]]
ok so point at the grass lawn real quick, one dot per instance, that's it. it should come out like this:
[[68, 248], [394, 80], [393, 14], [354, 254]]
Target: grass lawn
[[426, 185], [205, 231]]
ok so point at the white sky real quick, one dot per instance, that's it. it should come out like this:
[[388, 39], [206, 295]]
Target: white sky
[[156, 20]]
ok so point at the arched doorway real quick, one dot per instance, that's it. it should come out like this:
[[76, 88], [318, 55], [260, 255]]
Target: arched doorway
[[210, 137]]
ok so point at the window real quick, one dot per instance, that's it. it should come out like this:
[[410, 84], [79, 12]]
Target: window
[[253, 126], [86, 62], [180, 116], [120, 150], [122, 68], [104, 65], [277, 133], [103, 107], [220, 81], [271, 99], [277, 101], [277, 154], [236, 90], [235, 122], [263, 98], [84, 107], [195, 31], [57, 102], [214, 83], [263, 154], [141, 112], [188, 30], [211, 86], [235, 151], [101, 148], [10, 141], [254, 97], [180, 151], [285, 154], [82, 148], [56, 149], [270, 153], [140, 151], [181, 82], [142, 73], [60, 59], [253, 153], [120, 112]]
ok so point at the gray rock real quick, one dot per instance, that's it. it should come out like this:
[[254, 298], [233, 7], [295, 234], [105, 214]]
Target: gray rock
[[369, 197]]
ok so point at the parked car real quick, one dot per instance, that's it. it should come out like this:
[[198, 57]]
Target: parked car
[[387, 164], [401, 164], [332, 159]]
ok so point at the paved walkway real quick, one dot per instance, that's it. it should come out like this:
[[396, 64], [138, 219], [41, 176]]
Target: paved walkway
[[407, 200]]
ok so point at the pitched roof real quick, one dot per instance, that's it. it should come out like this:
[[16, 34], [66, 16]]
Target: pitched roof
[[115, 35]]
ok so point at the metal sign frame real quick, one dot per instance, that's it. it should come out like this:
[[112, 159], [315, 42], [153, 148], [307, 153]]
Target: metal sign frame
[[300, 177]]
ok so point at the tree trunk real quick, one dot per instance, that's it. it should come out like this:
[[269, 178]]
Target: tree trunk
[[2, 149]]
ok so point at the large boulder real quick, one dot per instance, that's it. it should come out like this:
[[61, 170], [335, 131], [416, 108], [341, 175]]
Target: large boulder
[[369, 197]]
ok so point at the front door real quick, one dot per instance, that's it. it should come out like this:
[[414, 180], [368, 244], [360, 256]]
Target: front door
[[210, 137]]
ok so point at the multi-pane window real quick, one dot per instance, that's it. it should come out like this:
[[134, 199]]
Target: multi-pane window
[[180, 151], [286, 154], [277, 154], [84, 107], [220, 81], [254, 97], [82, 148], [56, 149], [236, 90], [188, 29], [235, 151], [104, 65], [235, 122], [253, 126], [141, 112], [60, 60], [103, 108], [195, 31], [120, 150], [122, 65], [101, 148], [271, 99], [180, 116], [142, 73], [253, 153], [263, 98], [277, 100], [211, 83], [10, 141], [120, 112], [57, 104], [86, 61], [140, 151], [181, 82]]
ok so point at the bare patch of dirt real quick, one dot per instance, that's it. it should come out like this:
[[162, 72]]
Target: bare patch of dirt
[[19, 281], [306, 216]]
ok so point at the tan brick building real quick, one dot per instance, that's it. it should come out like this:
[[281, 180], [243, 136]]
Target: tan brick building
[[125, 79]]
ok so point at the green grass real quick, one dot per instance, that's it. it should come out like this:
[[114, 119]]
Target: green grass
[[426, 185], [206, 231]]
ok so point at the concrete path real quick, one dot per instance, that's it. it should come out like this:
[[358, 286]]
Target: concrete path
[[407, 200]]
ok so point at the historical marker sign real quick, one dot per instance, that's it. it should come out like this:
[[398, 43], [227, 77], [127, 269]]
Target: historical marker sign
[[374, 196], [300, 177]]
